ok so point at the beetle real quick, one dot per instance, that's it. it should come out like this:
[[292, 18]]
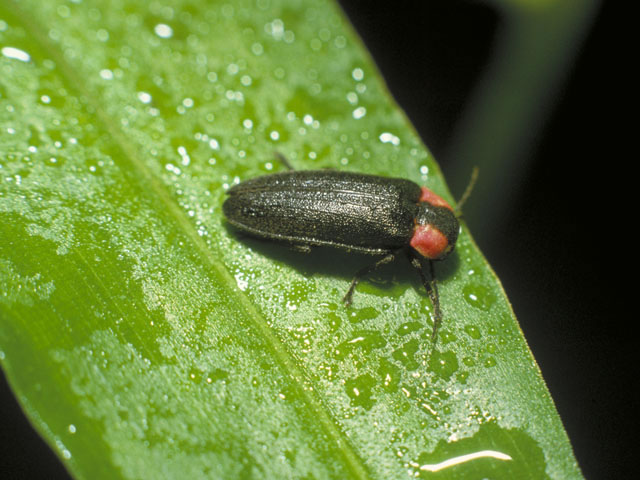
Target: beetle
[[351, 211]]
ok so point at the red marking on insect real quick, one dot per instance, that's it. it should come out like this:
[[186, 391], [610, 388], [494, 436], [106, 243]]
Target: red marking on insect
[[429, 242], [433, 198]]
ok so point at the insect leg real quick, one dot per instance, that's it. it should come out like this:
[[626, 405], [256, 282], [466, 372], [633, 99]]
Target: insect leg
[[284, 161], [364, 271], [431, 287]]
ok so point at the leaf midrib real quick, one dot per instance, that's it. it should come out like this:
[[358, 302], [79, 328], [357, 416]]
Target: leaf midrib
[[147, 178]]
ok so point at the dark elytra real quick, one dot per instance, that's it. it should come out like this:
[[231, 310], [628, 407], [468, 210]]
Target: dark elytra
[[352, 211]]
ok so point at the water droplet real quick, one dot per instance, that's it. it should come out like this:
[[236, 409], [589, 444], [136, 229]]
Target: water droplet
[[360, 314], [406, 354], [241, 281], [446, 337], [102, 35], [359, 390], [444, 364], [163, 30], [473, 331], [389, 375], [478, 296], [217, 374], [232, 69], [359, 112], [144, 97], [490, 362], [257, 49], [173, 169], [387, 137], [409, 327], [362, 342], [16, 54], [63, 11], [334, 321], [106, 74]]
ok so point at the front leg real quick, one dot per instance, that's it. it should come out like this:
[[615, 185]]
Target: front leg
[[431, 287], [364, 271]]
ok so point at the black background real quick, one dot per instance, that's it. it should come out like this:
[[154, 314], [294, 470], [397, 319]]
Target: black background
[[563, 297]]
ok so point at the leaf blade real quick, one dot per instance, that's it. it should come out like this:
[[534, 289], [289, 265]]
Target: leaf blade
[[151, 308]]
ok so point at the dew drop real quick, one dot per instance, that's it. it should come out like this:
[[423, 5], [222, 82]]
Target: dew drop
[[389, 375], [359, 390], [409, 327], [241, 281], [232, 69], [387, 137], [406, 354], [357, 74], [106, 74], [16, 54], [359, 112], [490, 362], [102, 35], [315, 44], [473, 331], [366, 313], [444, 364], [257, 49], [163, 30], [144, 97], [478, 296]]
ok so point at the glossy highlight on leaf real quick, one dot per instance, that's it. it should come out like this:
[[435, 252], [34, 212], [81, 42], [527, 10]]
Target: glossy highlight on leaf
[[146, 339]]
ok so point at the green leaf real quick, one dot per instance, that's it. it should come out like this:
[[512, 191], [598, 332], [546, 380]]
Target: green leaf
[[145, 339]]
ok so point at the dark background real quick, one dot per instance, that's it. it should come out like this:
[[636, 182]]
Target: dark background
[[564, 210]]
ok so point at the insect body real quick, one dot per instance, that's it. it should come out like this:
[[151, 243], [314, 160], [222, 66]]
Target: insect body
[[351, 211]]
